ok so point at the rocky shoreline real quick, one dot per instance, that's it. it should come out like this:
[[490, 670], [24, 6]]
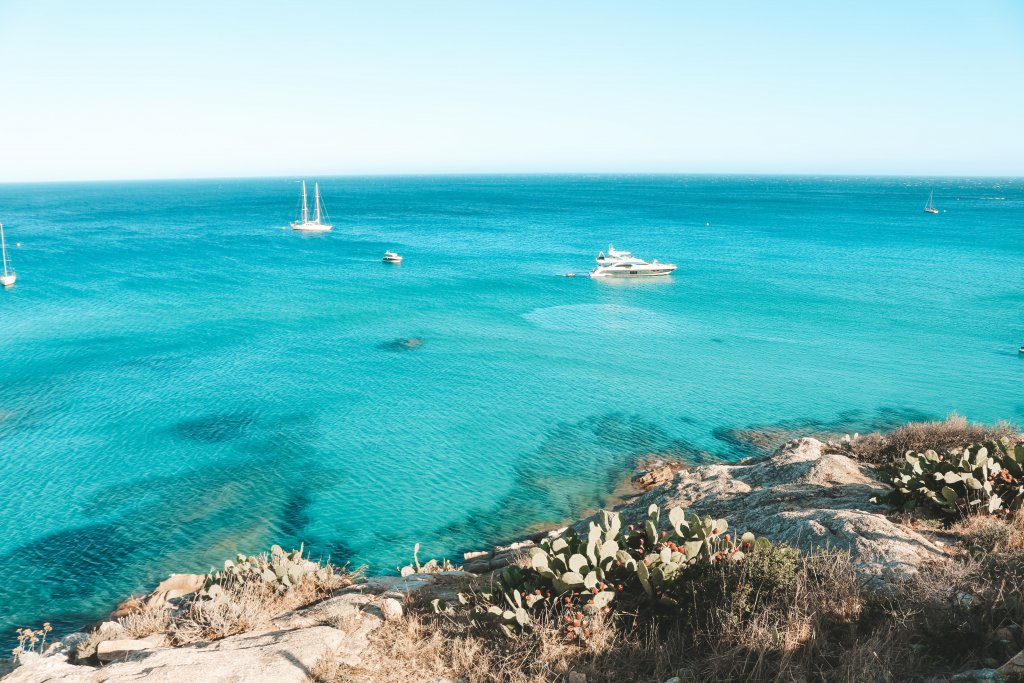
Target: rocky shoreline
[[809, 494]]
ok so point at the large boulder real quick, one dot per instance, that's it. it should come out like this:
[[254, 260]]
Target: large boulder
[[256, 657], [803, 495], [267, 657], [170, 589], [116, 650]]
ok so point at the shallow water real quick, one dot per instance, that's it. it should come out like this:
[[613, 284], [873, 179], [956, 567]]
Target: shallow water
[[182, 379]]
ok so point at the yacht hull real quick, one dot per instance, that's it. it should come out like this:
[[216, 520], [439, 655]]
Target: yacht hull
[[607, 272], [311, 227], [7, 280]]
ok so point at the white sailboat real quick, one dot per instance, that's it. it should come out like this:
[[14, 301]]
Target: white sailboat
[[930, 206], [9, 276], [319, 222]]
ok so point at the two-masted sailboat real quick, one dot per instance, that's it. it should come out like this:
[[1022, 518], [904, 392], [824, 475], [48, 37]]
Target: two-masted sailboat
[[930, 206], [319, 222], [9, 276]]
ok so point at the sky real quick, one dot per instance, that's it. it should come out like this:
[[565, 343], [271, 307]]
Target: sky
[[111, 89]]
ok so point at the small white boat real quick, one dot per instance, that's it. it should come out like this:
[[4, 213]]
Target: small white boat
[[624, 264], [9, 276], [319, 222], [930, 206], [392, 257]]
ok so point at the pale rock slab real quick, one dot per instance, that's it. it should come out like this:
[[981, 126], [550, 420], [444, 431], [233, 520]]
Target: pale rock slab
[[803, 495]]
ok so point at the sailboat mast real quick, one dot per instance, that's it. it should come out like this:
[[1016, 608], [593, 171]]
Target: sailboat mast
[[305, 204], [3, 248], [316, 193]]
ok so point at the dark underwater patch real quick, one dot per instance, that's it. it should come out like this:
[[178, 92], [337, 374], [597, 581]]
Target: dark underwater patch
[[764, 439], [339, 552], [294, 516], [182, 522], [402, 344], [214, 428], [549, 486]]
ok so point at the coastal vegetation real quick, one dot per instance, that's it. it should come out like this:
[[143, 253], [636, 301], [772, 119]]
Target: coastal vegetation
[[982, 478], [653, 592], [242, 597], [777, 615], [955, 432]]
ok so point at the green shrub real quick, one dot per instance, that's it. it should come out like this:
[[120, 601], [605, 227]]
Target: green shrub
[[677, 569], [983, 478], [429, 567]]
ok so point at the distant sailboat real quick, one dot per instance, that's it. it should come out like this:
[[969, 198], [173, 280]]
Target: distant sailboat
[[318, 224], [930, 206], [8, 278]]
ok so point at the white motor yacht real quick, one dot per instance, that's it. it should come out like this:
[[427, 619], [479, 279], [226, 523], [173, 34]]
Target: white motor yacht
[[623, 264], [392, 257]]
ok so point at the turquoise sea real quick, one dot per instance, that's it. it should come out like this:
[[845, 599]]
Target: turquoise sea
[[182, 378]]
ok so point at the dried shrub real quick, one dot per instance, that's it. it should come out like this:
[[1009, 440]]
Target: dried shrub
[[985, 534], [251, 591], [940, 436], [245, 608]]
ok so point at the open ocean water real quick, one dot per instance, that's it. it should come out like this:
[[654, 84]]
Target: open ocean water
[[182, 379]]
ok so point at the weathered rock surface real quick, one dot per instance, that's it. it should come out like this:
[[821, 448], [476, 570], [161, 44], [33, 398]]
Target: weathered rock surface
[[1013, 670], [803, 495], [174, 587], [115, 650], [259, 657], [483, 561], [286, 651]]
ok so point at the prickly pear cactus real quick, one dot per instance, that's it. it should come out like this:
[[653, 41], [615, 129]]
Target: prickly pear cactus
[[612, 564], [986, 478], [277, 570]]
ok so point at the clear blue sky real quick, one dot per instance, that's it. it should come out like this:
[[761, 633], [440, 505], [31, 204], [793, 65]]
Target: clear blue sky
[[151, 89]]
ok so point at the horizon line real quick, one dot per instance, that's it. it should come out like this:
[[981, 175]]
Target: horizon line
[[522, 174]]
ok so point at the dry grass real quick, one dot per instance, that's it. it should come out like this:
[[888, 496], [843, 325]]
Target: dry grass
[[953, 432], [247, 607], [961, 613], [785, 638], [989, 533], [146, 621], [87, 647], [242, 607]]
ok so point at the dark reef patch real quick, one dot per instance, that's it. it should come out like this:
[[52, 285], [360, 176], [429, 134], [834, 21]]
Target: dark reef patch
[[294, 514], [214, 428], [764, 439], [403, 344], [339, 552], [548, 487], [188, 521]]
